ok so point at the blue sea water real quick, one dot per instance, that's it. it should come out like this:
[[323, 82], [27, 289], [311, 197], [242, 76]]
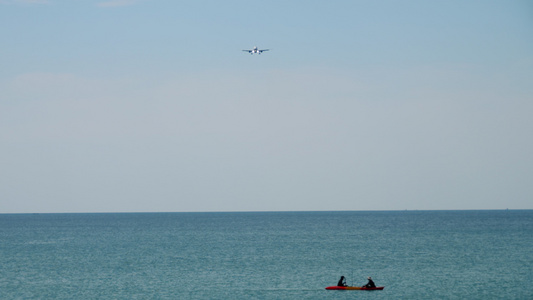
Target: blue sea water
[[267, 255]]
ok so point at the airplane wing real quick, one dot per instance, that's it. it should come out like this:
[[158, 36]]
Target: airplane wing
[[263, 50], [249, 51]]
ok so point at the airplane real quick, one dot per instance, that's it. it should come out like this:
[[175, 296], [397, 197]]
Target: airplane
[[255, 50]]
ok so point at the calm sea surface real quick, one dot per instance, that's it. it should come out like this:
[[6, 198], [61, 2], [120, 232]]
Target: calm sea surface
[[276, 255]]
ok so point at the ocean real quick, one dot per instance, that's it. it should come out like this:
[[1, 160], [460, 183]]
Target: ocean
[[267, 255]]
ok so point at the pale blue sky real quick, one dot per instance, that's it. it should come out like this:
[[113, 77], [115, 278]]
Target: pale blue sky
[[150, 105]]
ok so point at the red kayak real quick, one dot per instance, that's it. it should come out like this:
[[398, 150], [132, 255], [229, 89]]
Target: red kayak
[[354, 288]]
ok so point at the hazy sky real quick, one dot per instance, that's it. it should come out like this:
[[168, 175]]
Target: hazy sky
[[150, 105]]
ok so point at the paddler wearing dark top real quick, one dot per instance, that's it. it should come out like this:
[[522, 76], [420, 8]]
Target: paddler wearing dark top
[[342, 281], [370, 283]]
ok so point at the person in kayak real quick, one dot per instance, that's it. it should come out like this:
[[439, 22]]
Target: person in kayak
[[370, 283], [342, 281]]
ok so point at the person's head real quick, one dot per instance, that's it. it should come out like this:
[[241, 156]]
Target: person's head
[[342, 277], [369, 278]]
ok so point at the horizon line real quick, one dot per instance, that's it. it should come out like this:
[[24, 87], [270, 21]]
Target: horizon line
[[269, 211]]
